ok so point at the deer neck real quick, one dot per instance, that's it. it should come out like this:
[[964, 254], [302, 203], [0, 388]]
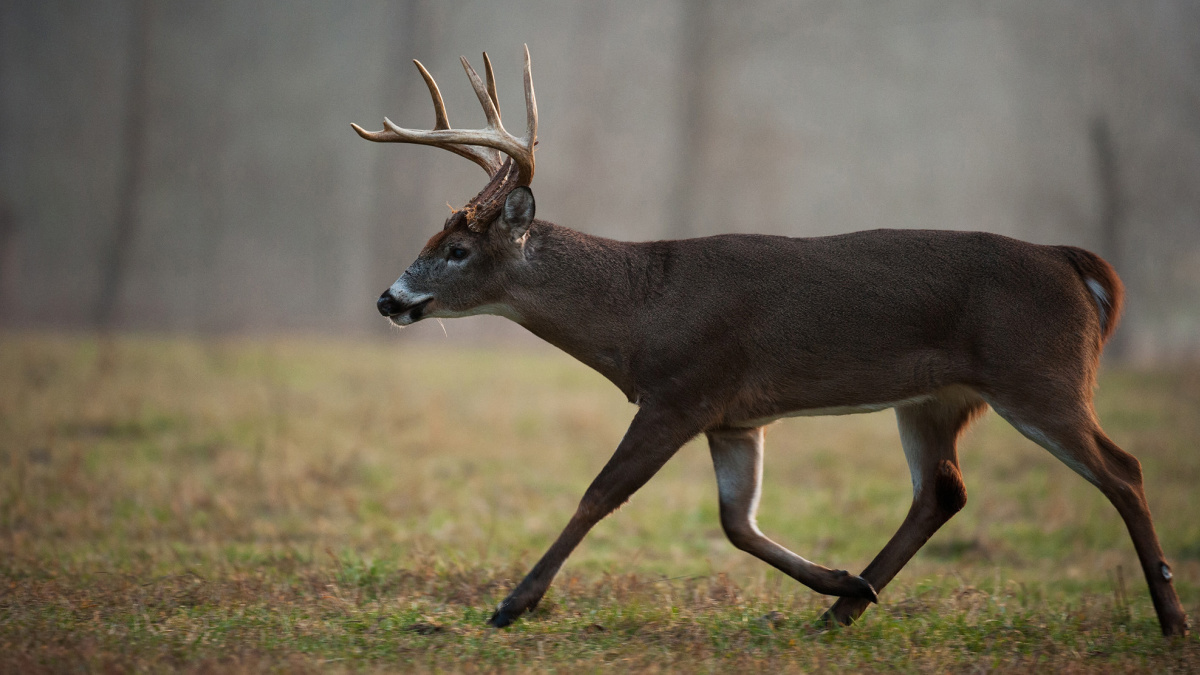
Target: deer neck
[[580, 293]]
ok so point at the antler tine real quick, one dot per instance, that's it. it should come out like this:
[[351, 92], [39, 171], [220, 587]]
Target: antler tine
[[481, 92], [531, 114], [439, 106], [487, 158], [491, 83], [473, 145], [521, 150]]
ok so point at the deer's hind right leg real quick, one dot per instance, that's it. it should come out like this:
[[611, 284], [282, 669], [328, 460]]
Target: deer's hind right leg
[[737, 458], [1063, 422]]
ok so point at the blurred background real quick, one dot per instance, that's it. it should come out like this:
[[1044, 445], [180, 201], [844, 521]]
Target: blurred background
[[215, 454], [189, 168]]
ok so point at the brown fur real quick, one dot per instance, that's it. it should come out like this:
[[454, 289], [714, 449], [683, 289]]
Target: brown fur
[[722, 334]]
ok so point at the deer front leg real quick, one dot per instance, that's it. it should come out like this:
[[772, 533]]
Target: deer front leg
[[737, 456], [653, 437]]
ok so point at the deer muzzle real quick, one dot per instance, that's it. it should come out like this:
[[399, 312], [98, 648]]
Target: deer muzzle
[[400, 312]]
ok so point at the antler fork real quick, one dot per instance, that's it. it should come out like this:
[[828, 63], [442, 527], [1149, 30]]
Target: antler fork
[[482, 146]]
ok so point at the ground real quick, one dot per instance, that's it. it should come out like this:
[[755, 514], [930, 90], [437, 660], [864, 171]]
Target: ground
[[256, 505]]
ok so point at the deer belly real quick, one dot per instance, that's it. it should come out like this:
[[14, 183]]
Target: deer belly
[[837, 410]]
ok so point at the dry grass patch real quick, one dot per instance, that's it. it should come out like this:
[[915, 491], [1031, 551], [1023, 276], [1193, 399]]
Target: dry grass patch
[[275, 505]]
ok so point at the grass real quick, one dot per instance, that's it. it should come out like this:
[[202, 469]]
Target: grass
[[290, 506]]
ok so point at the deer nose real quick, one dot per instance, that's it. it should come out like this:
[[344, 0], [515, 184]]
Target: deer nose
[[387, 305]]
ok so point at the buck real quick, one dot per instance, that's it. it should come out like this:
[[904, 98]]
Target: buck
[[724, 335]]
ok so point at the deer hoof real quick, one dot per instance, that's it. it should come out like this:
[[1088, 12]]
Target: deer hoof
[[503, 617], [866, 590], [851, 586], [831, 619], [509, 610]]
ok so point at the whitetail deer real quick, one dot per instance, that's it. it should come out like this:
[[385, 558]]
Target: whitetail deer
[[723, 335]]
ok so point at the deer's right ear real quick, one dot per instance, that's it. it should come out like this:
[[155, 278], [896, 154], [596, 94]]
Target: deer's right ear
[[518, 212]]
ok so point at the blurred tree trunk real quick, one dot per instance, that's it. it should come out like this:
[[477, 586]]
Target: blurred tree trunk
[[8, 263], [1112, 211], [695, 102], [116, 260]]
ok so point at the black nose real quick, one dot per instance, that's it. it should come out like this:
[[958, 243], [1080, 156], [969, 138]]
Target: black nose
[[387, 305]]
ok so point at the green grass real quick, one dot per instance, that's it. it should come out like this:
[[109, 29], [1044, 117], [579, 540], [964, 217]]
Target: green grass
[[322, 505]]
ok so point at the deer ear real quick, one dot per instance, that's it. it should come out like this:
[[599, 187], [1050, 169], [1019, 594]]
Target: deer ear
[[518, 212]]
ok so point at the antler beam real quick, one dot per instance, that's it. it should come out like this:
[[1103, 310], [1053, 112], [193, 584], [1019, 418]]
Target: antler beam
[[482, 146]]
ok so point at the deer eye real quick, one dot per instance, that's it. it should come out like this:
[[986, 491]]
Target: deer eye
[[458, 253]]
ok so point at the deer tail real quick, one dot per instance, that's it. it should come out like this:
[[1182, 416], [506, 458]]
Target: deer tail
[[1103, 285]]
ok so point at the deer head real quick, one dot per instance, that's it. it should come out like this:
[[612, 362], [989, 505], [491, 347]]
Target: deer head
[[461, 270]]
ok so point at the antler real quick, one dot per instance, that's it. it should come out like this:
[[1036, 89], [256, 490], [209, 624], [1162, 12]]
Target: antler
[[482, 146]]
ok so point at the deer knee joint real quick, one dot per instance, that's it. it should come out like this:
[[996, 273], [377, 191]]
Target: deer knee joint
[[739, 532], [594, 508], [1124, 465], [949, 491]]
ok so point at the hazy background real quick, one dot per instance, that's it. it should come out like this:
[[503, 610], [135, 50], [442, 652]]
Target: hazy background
[[190, 167]]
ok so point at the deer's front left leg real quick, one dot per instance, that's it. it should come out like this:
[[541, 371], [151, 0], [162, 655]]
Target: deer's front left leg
[[653, 437], [737, 456]]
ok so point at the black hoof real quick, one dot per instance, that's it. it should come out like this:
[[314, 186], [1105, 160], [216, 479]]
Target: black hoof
[[851, 586], [503, 617], [866, 591], [825, 621]]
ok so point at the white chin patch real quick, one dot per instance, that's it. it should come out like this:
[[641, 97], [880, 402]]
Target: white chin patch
[[495, 309], [407, 318]]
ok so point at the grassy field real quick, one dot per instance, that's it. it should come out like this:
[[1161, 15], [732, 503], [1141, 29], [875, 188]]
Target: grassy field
[[270, 505]]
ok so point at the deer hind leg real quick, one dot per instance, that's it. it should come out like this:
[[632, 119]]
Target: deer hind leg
[[737, 457], [928, 431], [1068, 429]]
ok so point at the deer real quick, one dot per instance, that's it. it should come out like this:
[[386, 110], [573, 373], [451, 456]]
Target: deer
[[724, 335]]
